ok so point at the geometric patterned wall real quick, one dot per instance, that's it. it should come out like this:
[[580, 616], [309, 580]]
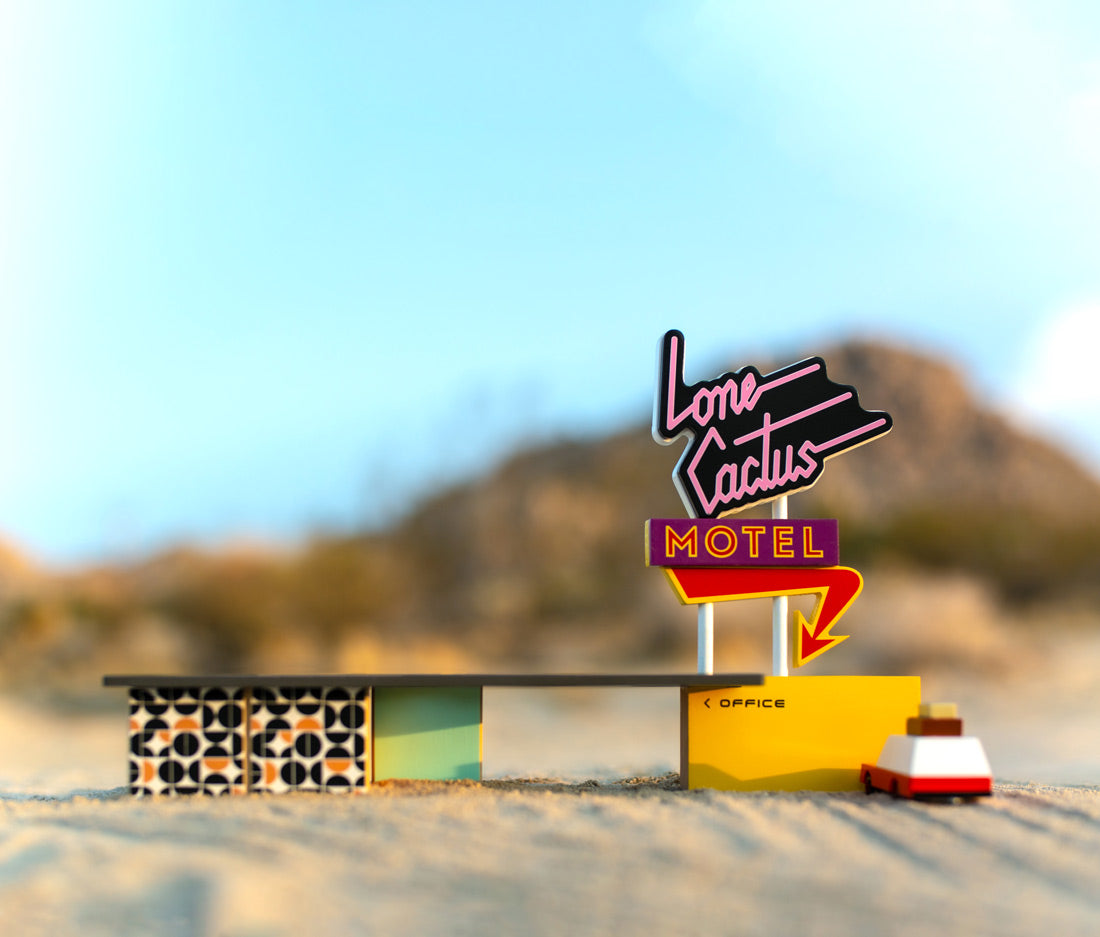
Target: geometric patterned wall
[[223, 753], [214, 740], [187, 740], [309, 739], [265, 736]]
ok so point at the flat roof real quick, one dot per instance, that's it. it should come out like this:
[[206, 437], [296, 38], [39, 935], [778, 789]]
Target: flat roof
[[436, 680]]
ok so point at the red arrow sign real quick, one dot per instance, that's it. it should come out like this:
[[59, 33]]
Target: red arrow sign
[[835, 586]]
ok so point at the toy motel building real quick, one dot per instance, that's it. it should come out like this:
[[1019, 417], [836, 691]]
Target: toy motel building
[[749, 438]]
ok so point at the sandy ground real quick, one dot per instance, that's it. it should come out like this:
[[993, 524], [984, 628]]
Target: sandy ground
[[576, 852], [553, 859]]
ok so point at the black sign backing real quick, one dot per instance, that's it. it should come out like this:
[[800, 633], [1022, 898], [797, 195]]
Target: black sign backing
[[754, 437]]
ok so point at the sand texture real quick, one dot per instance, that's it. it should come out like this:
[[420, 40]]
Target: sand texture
[[583, 853], [530, 858]]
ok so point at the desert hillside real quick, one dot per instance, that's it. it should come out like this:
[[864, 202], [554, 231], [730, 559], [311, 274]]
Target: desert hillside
[[962, 525]]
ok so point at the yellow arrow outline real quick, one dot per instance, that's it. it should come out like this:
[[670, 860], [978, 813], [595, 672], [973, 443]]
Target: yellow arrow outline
[[799, 620]]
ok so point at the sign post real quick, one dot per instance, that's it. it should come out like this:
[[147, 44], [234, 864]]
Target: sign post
[[779, 608], [706, 637]]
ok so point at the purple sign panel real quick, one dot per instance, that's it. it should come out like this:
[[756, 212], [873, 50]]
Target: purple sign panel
[[689, 542], [751, 436]]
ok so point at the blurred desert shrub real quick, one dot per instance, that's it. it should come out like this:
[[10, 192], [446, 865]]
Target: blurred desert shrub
[[962, 526], [1025, 557], [188, 610], [909, 621], [531, 569]]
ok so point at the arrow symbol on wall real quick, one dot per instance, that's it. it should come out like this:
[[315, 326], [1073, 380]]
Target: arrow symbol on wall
[[835, 586]]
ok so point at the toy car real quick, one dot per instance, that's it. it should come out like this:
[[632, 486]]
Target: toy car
[[933, 760]]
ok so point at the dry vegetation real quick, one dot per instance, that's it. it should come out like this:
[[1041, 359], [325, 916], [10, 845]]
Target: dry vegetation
[[958, 521]]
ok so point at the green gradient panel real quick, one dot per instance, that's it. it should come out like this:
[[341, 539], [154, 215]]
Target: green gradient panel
[[427, 733]]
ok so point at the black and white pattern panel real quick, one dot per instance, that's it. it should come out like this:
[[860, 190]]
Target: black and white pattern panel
[[309, 739], [187, 740]]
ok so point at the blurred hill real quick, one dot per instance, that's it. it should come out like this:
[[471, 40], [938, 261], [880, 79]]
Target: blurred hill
[[963, 526]]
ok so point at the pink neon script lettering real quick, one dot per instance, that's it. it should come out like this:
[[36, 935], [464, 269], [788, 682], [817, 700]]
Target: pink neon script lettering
[[732, 482], [710, 403]]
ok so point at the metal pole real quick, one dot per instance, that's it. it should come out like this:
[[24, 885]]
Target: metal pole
[[779, 608], [706, 638]]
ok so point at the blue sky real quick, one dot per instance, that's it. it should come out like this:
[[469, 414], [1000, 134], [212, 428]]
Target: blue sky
[[273, 266]]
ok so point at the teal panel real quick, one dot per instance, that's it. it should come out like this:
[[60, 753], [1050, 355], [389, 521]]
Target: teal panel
[[427, 733]]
